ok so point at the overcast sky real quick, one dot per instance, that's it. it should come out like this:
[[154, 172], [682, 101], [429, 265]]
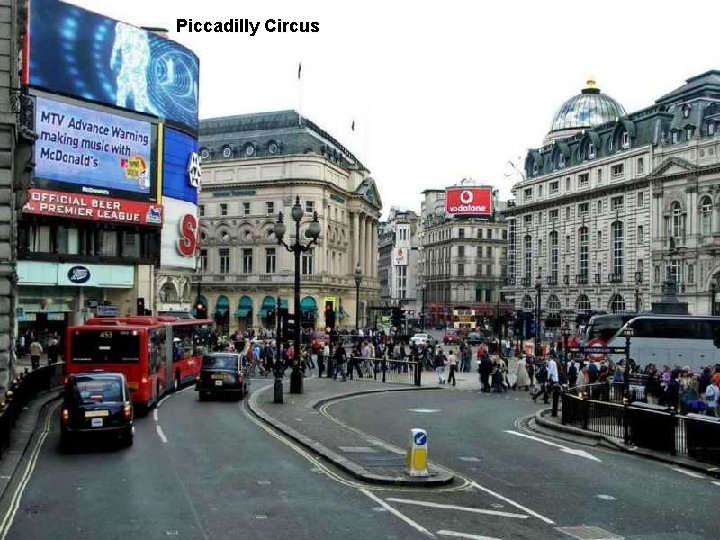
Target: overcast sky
[[438, 91]]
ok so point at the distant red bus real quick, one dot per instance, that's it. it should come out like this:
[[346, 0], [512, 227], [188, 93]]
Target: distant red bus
[[156, 354]]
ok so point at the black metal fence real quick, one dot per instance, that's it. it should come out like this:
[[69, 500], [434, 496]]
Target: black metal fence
[[386, 370], [24, 388], [642, 424]]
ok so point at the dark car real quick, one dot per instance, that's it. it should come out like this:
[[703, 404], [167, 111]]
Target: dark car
[[222, 373], [475, 338], [451, 337], [96, 403]]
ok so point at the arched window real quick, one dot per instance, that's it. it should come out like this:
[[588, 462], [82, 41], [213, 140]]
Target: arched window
[[583, 303], [617, 304], [553, 303], [617, 249], [528, 303], [706, 210], [624, 140], [584, 243], [677, 221], [554, 249], [168, 293]]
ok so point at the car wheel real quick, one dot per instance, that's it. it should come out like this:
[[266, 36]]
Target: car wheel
[[65, 440], [176, 382], [201, 396], [127, 438]]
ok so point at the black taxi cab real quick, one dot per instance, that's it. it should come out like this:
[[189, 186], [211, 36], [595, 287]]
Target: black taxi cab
[[222, 374]]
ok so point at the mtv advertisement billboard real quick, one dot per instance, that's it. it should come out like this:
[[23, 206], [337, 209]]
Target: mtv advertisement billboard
[[181, 166], [470, 201], [83, 54], [89, 151]]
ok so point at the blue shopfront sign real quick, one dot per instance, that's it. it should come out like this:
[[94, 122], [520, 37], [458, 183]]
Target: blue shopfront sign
[[76, 275]]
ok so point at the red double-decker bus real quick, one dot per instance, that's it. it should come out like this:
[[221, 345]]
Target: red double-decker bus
[[156, 354]]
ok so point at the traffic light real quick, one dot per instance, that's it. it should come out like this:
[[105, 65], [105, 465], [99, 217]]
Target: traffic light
[[140, 306], [200, 311]]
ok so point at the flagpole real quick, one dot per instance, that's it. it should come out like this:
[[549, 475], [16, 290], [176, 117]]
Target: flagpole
[[299, 76]]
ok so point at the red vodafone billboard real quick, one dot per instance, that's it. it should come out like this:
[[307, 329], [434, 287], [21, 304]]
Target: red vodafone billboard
[[469, 201]]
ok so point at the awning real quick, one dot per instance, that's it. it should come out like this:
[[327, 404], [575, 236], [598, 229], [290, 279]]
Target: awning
[[342, 314], [222, 306], [244, 306], [308, 304], [242, 312]]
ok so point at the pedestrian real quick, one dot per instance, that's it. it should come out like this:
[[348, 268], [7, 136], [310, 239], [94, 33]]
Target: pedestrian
[[328, 360], [452, 367], [522, 379], [712, 396], [53, 350], [35, 352], [485, 369], [440, 366], [572, 373], [542, 379], [339, 361]]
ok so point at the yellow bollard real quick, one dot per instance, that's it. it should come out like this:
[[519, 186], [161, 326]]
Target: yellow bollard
[[416, 457]]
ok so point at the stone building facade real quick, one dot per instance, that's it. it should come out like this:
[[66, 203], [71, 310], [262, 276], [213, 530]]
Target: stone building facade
[[255, 166], [399, 248]]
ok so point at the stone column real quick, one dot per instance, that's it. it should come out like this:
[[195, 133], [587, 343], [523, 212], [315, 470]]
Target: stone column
[[374, 270], [356, 239], [369, 255]]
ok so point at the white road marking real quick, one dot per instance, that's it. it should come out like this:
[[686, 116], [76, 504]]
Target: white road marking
[[155, 415], [32, 462], [425, 411], [160, 433], [454, 507], [606, 497], [464, 458], [464, 535], [689, 473], [565, 449], [716, 483], [513, 503], [396, 513]]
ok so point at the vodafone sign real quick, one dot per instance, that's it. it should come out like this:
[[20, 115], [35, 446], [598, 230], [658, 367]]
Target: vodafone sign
[[469, 201]]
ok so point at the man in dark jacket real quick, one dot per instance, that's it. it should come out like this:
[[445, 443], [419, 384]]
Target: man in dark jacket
[[485, 369]]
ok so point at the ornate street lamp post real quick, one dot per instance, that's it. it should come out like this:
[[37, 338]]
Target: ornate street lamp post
[[358, 281], [297, 248], [638, 281], [538, 292]]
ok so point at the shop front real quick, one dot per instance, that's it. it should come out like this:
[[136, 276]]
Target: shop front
[[222, 315], [244, 313], [309, 310]]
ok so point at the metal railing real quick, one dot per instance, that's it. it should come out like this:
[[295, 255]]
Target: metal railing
[[595, 408], [385, 370], [24, 388]]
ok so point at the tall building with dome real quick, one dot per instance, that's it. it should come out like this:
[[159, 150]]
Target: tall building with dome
[[615, 203], [254, 166]]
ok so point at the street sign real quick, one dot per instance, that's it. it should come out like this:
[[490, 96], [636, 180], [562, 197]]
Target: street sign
[[597, 350]]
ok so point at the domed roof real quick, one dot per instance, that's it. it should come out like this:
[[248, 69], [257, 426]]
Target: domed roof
[[588, 109]]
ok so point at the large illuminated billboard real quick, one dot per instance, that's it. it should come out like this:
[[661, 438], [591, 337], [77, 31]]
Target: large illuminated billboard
[[82, 54], [90, 151], [469, 201], [181, 180]]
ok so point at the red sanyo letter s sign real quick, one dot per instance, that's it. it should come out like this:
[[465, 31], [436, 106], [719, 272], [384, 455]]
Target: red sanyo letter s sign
[[188, 242]]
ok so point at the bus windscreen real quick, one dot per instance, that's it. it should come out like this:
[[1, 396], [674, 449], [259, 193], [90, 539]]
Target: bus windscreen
[[105, 346]]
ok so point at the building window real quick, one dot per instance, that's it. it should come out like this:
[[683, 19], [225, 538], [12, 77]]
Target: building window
[[640, 198], [269, 208], [568, 212], [488, 234], [674, 271], [599, 207], [223, 209], [591, 150], [306, 264], [584, 180], [583, 303], [617, 305], [461, 269], [488, 295], [675, 137], [246, 208], [617, 248], [130, 244], [599, 240], [640, 165], [639, 265], [625, 139], [461, 233], [711, 128], [617, 171], [108, 244], [309, 206], [269, 260], [203, 260], [689, 132], [201, 210], [224, 260], [489, 252], [616, 203], [567, 246], [568, 185], [247, 258], [479, 270], [540, 190], [677, 221], [553, 215], [528, 194], [640, 235], [584, 209], [527, 220], [461, 251], [599, 176], [706, 210], [554, 187], [584, 242], [690, 274], [489, 269], [554, 256], [528, 257], [541, 218], [657, 274]]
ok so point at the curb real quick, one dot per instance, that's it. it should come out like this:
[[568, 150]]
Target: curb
[[708, 469], [12, 461], [441, 476]]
